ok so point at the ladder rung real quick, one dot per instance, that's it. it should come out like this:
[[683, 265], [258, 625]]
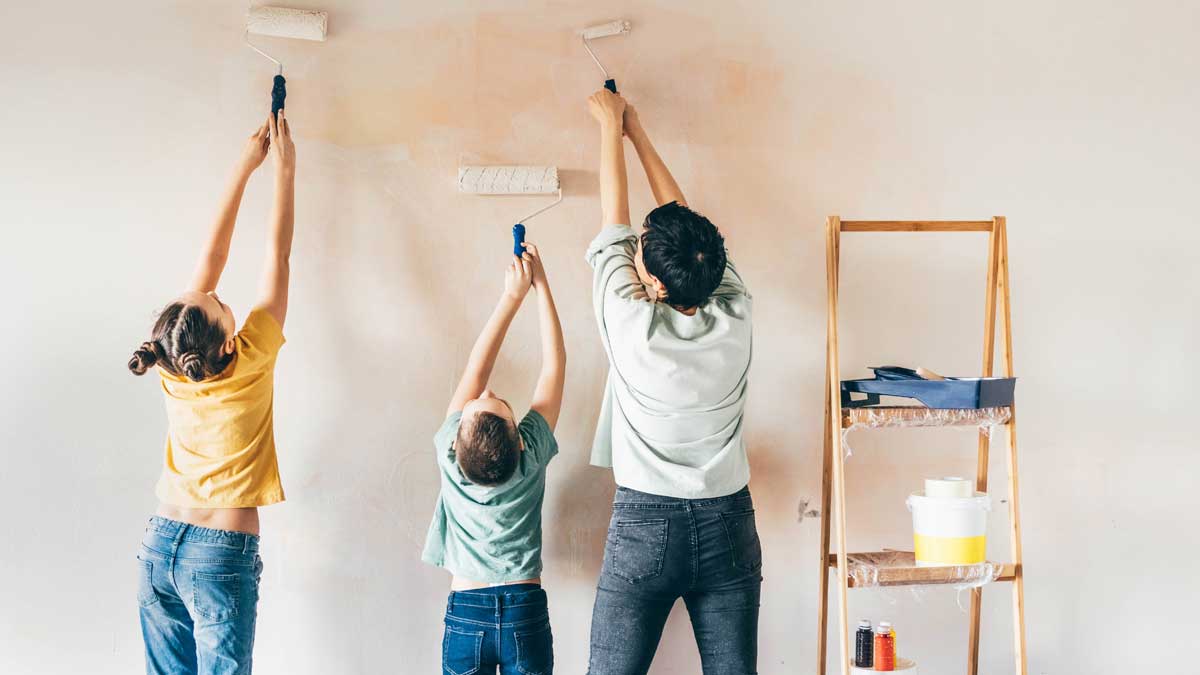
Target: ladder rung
[[916, 226]]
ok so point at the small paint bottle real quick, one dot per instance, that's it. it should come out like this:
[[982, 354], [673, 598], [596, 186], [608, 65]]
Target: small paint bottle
[[885, 655], [895, 645], [864, 643]]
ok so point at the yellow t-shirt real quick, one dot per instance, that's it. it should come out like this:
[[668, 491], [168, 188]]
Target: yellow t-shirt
[[220, 433]]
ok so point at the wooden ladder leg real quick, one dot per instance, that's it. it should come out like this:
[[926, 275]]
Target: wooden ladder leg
[[834, 421], [839, 495], [1014, 506], [977, 593], [826, 500], [981, 467], [1018, 583]]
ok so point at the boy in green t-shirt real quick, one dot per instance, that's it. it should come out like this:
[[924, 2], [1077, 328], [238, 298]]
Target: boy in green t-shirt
[[487, 524]]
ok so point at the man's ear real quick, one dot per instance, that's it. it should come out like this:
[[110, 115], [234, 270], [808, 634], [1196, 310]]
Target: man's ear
[[229, 346], [660, 291]]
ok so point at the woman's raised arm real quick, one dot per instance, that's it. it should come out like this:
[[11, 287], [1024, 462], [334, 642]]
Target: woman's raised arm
[[273, 285], [215, 251]]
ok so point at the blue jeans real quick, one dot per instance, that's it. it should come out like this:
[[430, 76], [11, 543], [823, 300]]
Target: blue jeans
[[660, 549], [198, 594], [505, 627]]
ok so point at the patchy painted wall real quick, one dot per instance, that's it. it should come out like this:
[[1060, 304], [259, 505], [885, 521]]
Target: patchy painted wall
[[1076, 120]]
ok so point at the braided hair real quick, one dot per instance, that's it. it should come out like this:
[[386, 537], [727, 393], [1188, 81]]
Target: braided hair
[[184, 342]]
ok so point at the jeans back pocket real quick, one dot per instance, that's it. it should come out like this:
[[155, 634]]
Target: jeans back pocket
[[216, 597], [146, 594], [744, 547], [638, 548], [535, 650], [461, 651]]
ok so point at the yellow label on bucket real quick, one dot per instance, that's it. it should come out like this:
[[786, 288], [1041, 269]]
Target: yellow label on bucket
[[950, 550]]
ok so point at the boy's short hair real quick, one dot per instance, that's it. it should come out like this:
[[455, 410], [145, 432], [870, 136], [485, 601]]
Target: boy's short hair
[[685, 251], [488, 449]]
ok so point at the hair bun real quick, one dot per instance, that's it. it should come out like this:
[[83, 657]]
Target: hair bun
[[144, 357], [192, 365]]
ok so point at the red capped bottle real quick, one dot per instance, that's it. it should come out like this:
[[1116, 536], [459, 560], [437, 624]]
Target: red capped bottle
[[884, 648]]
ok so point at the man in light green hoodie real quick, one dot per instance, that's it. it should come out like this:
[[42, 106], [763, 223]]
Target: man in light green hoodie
[[675, 320]]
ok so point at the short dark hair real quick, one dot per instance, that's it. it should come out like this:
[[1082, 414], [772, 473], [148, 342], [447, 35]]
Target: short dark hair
[[184, 341], [488, 449], [685, 251]]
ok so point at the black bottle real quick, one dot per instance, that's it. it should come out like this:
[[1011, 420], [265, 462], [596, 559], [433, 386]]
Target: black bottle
[[864, 645]]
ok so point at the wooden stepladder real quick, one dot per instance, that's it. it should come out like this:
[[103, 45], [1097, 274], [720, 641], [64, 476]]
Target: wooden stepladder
[[901, 570]]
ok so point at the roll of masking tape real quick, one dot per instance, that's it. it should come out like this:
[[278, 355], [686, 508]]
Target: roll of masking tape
[[950, 486]]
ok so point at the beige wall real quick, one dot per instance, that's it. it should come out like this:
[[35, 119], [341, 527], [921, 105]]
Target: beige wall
[[1077, 120]]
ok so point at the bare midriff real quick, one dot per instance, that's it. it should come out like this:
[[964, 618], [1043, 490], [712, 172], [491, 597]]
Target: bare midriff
[[232, 520], [461, 584]]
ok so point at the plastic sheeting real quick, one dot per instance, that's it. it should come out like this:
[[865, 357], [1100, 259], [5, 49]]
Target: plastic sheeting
[[985, 419], [897, 568]]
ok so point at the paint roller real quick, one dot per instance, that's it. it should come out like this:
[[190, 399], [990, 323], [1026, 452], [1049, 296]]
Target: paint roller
[[619, 27], [284, 22], [512, 180]]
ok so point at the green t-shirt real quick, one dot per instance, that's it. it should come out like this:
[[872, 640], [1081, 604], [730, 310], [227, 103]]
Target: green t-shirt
[[491, 534]]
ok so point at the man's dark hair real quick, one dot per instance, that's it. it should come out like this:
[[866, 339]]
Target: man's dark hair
[[684, 250], [488, 450]]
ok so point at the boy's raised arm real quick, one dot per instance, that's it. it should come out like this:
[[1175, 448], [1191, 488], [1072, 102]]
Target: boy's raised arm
[[662, 183], [548, 393], [517, 279], [608, 109]]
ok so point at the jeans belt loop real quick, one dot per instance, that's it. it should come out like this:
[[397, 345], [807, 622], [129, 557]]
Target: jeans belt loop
[[179, 539], [245, 544]]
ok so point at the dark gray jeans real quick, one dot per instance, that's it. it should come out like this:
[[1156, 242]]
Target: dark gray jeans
[[662, 548]]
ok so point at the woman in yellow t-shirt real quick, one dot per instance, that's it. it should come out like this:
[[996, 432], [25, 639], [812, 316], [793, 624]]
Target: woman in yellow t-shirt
[[198, 564]]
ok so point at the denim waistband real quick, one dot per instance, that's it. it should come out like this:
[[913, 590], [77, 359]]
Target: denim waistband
[[497, 597], [626, 495], [175, 530]]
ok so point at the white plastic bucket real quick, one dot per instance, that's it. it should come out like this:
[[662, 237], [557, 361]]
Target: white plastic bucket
[[949, 530], [906, 666]]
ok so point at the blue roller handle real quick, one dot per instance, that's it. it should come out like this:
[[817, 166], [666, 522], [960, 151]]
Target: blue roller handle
[[611, 85], [278, 93], [518, 239]]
